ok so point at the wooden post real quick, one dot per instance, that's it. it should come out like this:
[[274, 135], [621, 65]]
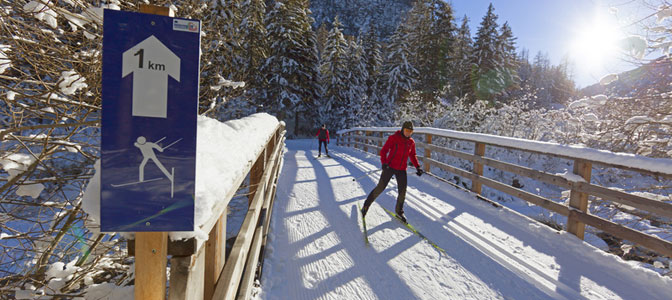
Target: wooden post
[[478, 168], [428, 152], [155, 10], [151, 249], [380, 143], [354, 142], [579, 200], [366, 142], [187, 276], [215, 255]]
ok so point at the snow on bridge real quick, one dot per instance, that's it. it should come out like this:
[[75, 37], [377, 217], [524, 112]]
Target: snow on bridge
[[316, 248]]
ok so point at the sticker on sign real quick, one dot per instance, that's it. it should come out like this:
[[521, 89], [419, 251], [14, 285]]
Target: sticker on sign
[[185, 25]]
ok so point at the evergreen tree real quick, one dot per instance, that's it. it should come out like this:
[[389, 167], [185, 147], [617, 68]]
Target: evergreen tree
[[461, 60], [357, 81], [399, 75], [291, 72], [231, 51], [506, 47], [374, 63], [335, 76], [253, 32], [322, 36], [431, 34], [485, 61]]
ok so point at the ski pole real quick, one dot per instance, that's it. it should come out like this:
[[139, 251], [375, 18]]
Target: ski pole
[[173, 143], [366, 174]]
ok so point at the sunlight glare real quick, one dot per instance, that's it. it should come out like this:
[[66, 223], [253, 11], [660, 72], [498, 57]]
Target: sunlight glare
[[594, 45]]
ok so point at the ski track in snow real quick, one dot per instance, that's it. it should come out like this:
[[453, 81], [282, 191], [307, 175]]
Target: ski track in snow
[[316, 249]]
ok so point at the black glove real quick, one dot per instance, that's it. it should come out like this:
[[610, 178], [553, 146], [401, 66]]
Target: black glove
[[385, 167], [419, 171]]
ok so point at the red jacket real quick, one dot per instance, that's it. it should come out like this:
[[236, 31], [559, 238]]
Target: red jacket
[[322, 139], [397, 150]]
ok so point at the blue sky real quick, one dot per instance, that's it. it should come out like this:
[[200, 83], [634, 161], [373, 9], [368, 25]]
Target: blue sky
[[560, 27]]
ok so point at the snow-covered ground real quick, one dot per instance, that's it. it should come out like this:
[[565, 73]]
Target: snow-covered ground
[[316, 248]]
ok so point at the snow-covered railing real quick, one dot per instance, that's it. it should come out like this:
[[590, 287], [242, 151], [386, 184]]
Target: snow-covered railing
[[578, 183], [203, 270]]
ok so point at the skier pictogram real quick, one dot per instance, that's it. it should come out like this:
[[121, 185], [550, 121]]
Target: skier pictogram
[[148, 153]]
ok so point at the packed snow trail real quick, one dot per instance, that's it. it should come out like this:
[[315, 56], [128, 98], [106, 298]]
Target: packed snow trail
[[316, 250]]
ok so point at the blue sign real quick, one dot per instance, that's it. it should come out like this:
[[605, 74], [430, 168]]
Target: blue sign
[[150, 104]]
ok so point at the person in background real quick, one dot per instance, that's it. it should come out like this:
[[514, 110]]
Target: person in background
[[323, 137], [394, 156]]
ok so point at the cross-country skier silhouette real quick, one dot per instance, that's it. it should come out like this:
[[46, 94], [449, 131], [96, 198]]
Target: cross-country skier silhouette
[[147, 150]]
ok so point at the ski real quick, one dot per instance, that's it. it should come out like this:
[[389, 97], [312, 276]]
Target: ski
[[135, 182], [366, 235], [415, 231]]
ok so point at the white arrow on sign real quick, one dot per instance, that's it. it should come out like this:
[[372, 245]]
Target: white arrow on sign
[[151, 62]]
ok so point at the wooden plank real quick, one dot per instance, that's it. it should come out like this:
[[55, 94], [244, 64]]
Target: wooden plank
[[622, 167], [186, 277], [366, 141], [268, 209], [255, 174], [177, 248], [428, 152], [221, 206], [653, 206], [516, 169], [479, 150], [251, 265], [229, 279], [613, 165], [215, 256], [650, 205], [369, 145], [151, 249], [529, 197], [656, 244], [579, 200], [371, 139]]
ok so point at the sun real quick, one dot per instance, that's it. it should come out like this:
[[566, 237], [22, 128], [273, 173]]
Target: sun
[[595, 44]]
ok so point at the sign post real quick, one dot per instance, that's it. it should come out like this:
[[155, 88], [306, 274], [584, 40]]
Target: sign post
[[148, 149]]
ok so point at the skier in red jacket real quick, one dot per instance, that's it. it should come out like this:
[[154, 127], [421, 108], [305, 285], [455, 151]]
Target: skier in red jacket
[[323, 136], [394, 156]]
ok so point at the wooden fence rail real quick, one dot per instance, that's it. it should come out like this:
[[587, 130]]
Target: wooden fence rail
[[206, 272], [576, 212]]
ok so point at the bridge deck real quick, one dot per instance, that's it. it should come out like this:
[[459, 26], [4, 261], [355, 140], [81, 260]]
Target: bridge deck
[[316, 248]]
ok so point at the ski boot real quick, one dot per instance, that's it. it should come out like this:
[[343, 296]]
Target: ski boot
[[401, 217]]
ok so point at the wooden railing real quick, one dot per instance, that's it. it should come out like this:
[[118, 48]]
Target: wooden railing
[[576, 212], [206, 272]]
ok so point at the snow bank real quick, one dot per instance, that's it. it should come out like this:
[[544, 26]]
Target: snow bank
[[627, 160], [223, 153]]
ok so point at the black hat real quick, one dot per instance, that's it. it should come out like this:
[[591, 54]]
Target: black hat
[[407, 124]]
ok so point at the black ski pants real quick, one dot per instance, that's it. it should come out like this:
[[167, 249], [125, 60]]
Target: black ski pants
[[402, 182], [325, 147]]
